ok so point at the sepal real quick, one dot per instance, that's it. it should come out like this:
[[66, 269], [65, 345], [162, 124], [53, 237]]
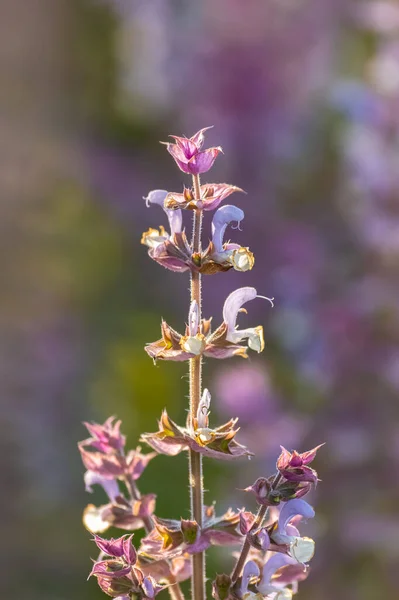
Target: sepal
[[219, 443]]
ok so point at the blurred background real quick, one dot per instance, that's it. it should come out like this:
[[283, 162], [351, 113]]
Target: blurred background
[[304, 99]]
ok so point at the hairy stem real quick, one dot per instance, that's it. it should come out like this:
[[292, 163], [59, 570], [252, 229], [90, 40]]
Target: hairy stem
[[260, 517], [246, 546], [195, 459]]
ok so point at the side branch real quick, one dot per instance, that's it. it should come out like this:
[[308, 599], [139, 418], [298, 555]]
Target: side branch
[[260, 517]]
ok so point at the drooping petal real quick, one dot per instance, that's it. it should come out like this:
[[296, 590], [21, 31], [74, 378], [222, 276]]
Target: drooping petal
[[110, 486], [233, 304], [222, 218], [271, 566], [291, 509], [251, 570], [148, 587], [174, 216]]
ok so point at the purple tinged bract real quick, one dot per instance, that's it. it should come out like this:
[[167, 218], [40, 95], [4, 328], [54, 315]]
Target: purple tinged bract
[[188, 153]]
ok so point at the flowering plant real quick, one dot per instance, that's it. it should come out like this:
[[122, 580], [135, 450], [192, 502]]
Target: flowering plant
[[274, 556]]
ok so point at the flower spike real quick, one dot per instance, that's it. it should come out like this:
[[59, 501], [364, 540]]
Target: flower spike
[[273, 555]]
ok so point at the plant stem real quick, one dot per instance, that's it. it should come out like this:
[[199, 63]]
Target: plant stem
[[262, 513], [246, 546], [195, 459]]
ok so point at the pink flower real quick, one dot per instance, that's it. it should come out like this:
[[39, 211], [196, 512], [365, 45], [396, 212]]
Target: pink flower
[[188, 153], [293, 465], [171, 250]]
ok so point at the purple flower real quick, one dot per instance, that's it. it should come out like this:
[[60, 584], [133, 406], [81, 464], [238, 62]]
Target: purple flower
[[300, 548], [240, 258], [188, 153], [293, 466], [119, 513], [175, 253], [108, 462], [107, 437], [118, 548], [250, 572], [224, 342], [171, 250], [110, 486], [232, 307], [264, 494], [273, 564], [120, 574]]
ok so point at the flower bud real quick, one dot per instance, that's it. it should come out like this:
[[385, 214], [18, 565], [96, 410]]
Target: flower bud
[[221, 587], [193, 318], [190, 530]]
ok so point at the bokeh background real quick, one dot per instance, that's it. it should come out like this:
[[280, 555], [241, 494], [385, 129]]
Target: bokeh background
[[304, 97]]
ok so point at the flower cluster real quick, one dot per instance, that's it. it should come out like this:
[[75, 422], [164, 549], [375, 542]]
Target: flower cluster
[[224, 342], [216, 443], [117, 572], [274, 555], [173, 251], [107, 465]]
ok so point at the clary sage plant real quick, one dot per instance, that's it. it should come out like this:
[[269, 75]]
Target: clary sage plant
[[269, 555]]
